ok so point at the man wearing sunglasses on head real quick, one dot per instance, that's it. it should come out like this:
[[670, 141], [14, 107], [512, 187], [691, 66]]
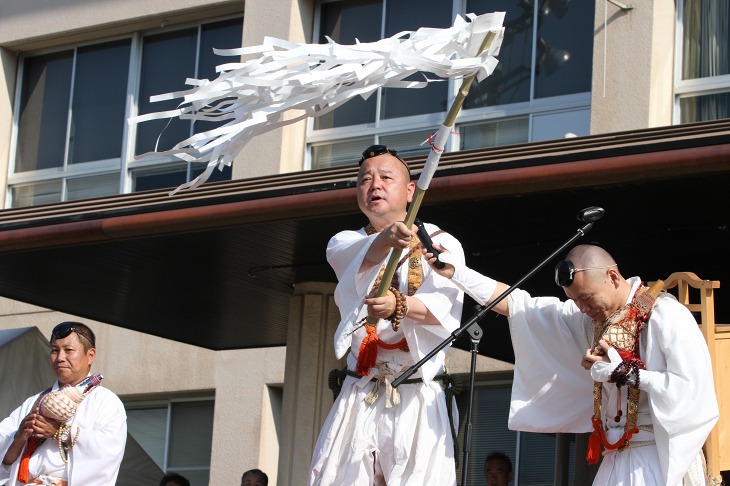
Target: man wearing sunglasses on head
[[376, 434], [72, 434], [618, 359]]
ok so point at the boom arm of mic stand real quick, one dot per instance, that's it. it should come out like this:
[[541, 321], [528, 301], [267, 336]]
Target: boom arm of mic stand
[[484, 309]]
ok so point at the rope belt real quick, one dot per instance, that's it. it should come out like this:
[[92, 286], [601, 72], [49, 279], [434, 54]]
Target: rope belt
[[640, 443], [48, 481], [452, 385]]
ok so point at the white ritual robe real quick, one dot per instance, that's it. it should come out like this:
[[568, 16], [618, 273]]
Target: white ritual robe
[[410, 443], [97, 455], [553, 393]]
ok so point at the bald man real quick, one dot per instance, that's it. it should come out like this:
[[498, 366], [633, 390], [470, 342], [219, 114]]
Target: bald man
[[376, 434], [623, 361]]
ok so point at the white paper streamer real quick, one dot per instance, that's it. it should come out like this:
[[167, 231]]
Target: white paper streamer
[[313, 79]]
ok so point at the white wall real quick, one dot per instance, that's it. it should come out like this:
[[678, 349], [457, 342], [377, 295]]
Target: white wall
[[633, 55]]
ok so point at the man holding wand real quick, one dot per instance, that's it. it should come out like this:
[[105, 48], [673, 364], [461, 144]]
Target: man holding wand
[[376, 434]]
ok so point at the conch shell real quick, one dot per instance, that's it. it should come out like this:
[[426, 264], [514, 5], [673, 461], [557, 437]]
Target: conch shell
[[62, 404]]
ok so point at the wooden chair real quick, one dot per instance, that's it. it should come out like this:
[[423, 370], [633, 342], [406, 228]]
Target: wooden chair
[[717, 446]]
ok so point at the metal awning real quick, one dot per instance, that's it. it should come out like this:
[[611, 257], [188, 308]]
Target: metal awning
[[214, 267]]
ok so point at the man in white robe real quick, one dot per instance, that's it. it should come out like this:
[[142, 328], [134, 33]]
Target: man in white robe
[[374, 434], [556, 365], [93, 445]]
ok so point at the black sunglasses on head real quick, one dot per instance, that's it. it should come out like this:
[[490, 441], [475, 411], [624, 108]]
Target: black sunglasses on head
[[565, 272], [66, 328], [62, 330], [375, 150]]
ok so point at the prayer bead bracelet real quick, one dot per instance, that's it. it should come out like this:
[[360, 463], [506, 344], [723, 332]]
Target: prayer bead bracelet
[[401, 308]]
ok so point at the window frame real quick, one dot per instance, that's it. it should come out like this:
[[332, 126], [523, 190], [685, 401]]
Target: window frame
[[431, 121], [168, 404], [503, 381], [128, 162], [690, 88]]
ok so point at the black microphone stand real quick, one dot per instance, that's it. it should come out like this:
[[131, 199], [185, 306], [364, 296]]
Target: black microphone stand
[[588, 215]]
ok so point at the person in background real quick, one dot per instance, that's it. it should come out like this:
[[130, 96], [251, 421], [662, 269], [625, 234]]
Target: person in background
[[87, 449], [254, 477], [174, 479], [497, 469]]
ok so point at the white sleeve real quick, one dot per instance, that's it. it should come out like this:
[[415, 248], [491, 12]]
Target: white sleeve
[[345, 253], [679, 385], [102, 426], [551, 391], [8, 428], [477, 286]]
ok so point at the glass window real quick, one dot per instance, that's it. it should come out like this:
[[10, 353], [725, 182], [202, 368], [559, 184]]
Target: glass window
[[404, 15], [564, 48], [705, 108], [547, 52], [97, 77], [44, 102], [99, 102], [532, 455], [178, 436], [170, 58], [703, 79], [503, 132], [73, 110], [510, 81], [340, 153], [46, 192], [92, 186], [346, 23], [167, 61], [706, 46], [171, 176]]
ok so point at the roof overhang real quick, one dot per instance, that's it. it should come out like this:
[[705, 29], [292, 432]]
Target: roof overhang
[[215, 266]]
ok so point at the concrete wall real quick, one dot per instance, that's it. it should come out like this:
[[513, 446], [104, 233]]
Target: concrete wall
[[38, 24], [633, 56], [280, 150]]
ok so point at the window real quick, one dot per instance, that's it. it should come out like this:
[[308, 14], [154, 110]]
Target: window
[[167, 60], [72, 139], [544, 68], [177, 435], [533, 455], [702, 90]]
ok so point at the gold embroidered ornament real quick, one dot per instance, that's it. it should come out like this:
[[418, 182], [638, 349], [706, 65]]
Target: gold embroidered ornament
[[622, 331]]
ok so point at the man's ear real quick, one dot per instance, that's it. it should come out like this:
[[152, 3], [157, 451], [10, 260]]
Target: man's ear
[[90, 355], [411, 188], [615, 277]]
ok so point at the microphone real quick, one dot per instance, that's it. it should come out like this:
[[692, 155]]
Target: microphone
[[591, 214], [427, 243]]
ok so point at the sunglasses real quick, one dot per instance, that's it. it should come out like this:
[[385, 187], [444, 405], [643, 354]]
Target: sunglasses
[[66, 328], [376, 150], [565, 272]]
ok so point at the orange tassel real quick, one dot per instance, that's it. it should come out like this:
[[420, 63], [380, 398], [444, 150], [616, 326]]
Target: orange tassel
[[23, 471], [594, 448], [368, 352]]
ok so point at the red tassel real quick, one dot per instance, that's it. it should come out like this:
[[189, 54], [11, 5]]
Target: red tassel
[[23, 471], [368, 352], [594, 446]]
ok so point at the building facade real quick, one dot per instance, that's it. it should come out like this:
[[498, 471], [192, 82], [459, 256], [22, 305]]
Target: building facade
[[74, 73]]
